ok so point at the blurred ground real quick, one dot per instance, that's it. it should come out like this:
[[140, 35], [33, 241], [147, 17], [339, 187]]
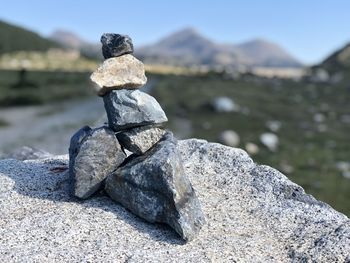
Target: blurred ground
[[310, 122], [47, 127]]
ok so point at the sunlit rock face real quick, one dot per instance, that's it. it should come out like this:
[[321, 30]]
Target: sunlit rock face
[[253, 214]]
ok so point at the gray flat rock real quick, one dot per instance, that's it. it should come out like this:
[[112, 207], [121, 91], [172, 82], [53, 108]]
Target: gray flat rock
[[94, 153], [27, 153], [124, 72], [155, 187], [253, 214], [132, 108], [139, 140]]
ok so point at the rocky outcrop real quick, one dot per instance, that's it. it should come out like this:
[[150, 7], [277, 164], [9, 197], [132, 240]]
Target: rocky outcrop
[[253, 213]]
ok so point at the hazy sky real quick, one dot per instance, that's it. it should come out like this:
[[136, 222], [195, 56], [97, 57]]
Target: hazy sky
[[308, 29]]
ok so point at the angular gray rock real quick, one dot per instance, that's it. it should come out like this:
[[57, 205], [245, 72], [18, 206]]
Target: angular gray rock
[[125, 72], [253, 214], [155, 187], [94, 153], [115, 45], [132, 108], [139, 140]]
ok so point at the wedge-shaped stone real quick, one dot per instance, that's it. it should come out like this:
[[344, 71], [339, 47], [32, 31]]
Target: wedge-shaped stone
[[93, 154], [139, 140], [124, 72], [155, 187], [132, 108]]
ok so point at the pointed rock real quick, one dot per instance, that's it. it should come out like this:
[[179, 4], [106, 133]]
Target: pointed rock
[[139, 140], [124, 72], [155, 187], [93, 154], [115, 45], [132, 108]]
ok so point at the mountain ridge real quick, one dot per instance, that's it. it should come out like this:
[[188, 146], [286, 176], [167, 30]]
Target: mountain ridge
[[188, 47], [73, 41], [338, 60]]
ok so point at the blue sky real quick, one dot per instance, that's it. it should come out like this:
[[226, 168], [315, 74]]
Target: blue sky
[[308, 29]]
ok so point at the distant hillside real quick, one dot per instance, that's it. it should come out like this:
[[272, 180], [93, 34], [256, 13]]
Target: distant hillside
[[261, 52], [15, 38], [188, 47], [67, 39], [73, 41], [337, 61]]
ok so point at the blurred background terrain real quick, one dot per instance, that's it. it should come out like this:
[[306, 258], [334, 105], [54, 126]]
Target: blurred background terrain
[[289, 112]]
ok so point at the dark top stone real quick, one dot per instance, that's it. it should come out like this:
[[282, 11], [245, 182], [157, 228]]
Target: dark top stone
[[115, 45]]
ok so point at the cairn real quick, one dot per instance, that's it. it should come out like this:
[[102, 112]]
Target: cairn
[[150, 182]]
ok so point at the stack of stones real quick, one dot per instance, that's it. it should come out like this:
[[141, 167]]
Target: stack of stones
[[150, 182]]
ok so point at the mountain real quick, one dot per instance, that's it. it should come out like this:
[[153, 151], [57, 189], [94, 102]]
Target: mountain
[[186, 47], [73, 41], [15, 38], [189, 47], [67, 39], [260, 52], [337, 61]]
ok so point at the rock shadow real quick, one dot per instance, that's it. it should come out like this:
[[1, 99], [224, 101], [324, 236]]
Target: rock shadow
[[50, 180]]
